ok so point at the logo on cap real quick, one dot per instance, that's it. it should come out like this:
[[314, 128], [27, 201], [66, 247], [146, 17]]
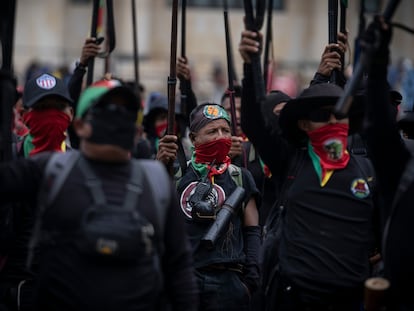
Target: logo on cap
[[215, 112], [46, 82]]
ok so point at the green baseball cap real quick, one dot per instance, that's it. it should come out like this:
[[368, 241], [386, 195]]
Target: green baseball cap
[[100, 93]]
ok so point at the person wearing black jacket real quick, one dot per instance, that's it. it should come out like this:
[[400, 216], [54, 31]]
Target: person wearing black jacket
[[227, 272], [68, 279], [327, 207], [47, 115], [394, 171]]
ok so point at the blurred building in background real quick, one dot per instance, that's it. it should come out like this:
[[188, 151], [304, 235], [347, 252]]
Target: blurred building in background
[[51, 33]]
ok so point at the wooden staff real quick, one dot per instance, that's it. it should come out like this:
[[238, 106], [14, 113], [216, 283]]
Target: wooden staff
[[110, 33], [94, 26], [183, 89], [268, 43], [333, 30], [375, 293], [255, 23], [228, 42], [135, 43], [230, 77], [172, 78], [342, 27]]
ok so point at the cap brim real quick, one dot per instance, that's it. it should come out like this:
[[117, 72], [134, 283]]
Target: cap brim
[[131, 100], [30, 103]]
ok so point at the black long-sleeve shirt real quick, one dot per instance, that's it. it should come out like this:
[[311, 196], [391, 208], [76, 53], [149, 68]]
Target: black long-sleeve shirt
[[327, 231], [390, 156]]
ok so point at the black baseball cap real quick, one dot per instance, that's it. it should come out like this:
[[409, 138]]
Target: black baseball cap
[[44, 85]]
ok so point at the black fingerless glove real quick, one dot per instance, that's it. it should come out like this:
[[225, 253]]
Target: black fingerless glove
[[252, 242], [375, 41]]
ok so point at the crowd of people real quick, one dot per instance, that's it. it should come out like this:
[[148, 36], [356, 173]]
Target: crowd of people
[[287, 205]]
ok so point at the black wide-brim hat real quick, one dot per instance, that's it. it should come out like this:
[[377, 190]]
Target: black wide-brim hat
[[312, 98]]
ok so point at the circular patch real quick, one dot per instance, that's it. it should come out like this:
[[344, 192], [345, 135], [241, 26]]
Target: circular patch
[[216, 196], [360, 188], [334, 149], [215, 112], [46, 82]]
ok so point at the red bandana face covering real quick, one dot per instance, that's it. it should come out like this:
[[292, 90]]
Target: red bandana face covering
[[216, 150], [47, 127], [329, 142], [161, 129]]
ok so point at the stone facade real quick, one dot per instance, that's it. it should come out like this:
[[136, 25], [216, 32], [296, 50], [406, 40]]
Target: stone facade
[[53, 31]]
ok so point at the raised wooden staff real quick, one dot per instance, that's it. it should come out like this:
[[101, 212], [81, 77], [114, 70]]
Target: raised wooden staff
[[268, 43], [254, 22], [135, 46], [172, 78], [333, 30], [230, 70]]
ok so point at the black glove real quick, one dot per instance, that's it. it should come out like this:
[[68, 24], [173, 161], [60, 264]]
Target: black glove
[[375, 41], [252, 241], [202, 208]]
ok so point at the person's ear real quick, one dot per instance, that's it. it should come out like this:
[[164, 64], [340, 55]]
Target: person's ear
[[191, 135], [69, 110], [304, 125]]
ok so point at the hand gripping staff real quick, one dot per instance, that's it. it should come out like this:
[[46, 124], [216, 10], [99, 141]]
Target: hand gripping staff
[[255, 23], [230, 71], [230, 207], [172, 78], [97, 23], [344, 102]]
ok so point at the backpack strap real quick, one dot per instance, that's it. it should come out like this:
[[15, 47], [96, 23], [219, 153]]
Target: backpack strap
[[134, 185], [57, 170], [236, 174], [158, 179], [92, 182]]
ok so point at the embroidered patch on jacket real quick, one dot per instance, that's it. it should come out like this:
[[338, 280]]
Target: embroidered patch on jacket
[[360, 188], [216, 196]]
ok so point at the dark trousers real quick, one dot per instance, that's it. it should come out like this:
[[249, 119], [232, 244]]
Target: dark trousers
[[222, 290], [292, 298]]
